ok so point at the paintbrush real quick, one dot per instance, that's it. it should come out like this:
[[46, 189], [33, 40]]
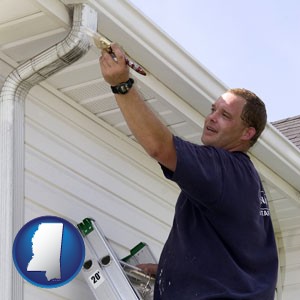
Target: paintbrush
[[104, 44]]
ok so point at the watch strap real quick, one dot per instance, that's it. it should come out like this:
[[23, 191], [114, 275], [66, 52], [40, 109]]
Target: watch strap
[[123, 87]]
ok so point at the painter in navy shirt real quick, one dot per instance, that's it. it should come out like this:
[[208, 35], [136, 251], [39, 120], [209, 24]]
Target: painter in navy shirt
[[222, 243]]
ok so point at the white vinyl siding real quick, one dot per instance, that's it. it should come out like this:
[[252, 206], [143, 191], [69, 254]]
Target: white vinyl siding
[[76, 168]]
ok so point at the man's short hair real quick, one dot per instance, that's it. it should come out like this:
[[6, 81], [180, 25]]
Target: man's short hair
[[254, 113]]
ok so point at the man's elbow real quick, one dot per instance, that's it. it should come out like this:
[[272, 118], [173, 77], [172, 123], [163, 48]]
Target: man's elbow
[[165, 155]]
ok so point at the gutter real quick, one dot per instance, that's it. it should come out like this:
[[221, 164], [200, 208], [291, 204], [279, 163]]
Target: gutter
[[12, 148]]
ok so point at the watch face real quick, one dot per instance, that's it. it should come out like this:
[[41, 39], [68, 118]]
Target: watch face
[[123, 89]]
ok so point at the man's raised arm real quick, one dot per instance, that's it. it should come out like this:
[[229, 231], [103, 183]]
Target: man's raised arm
[[149, 131]]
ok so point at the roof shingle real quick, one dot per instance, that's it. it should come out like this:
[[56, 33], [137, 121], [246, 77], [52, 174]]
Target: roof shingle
[[290, 128]]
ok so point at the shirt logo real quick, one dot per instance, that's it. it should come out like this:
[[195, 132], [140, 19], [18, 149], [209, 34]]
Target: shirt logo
[[264, 206]]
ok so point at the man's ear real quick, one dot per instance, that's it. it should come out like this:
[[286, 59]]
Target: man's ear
[[248, 133]]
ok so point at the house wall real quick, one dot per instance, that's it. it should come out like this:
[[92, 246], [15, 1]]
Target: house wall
[[289, 249], [287, 232], [77, 167]]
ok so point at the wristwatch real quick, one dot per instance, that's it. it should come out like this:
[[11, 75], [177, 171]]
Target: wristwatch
[[123, 87]]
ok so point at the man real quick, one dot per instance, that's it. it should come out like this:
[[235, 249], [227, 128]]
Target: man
[[221, 245]]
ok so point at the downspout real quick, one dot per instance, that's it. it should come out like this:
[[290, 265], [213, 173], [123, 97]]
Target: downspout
[[12, 148]]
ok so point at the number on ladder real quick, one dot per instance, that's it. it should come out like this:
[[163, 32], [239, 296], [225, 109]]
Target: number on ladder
[[96, 279]]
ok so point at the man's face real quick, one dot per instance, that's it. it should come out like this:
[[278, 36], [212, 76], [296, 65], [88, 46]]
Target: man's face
[[224, 127]]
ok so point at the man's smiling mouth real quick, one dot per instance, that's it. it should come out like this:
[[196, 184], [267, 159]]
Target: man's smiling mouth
[[211, 129]]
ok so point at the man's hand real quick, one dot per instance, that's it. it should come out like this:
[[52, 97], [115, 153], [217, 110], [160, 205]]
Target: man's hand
[[149, 269], [113, 66]]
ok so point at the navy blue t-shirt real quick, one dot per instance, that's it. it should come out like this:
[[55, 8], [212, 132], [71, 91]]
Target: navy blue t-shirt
[[221, 245]]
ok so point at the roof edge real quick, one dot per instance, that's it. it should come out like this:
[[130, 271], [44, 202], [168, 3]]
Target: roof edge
[[279, 154]]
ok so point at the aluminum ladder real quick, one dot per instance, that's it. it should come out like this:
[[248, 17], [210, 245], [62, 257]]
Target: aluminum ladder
[[108, 277]]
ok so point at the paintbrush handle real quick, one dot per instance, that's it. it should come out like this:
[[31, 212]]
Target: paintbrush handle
[[136, 67]]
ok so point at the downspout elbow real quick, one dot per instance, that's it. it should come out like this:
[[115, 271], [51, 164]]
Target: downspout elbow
[[52, 60]]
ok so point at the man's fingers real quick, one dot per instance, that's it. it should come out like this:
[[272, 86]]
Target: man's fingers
[[118, 52], [104, 61], [113, 66], [150, 269]]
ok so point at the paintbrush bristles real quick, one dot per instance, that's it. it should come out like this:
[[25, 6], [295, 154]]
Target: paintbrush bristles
[[99, 41], [102, 43]]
